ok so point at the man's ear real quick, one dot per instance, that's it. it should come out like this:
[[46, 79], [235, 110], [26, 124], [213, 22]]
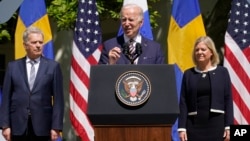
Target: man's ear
[[24, 45], [141, 23]]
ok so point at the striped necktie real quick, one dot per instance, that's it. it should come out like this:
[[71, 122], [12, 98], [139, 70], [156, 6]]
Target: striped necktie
[[131, 47], [32, 74]]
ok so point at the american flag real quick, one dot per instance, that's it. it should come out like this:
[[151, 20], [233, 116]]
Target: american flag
[[237, 57], [86, 51]]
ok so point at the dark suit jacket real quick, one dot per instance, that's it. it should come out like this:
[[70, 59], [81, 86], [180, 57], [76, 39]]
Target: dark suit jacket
[[221, 95], [151, 51], [46, 112]]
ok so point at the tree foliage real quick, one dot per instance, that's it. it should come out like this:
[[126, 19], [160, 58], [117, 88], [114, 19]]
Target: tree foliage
[[4, 33], [63, 13]]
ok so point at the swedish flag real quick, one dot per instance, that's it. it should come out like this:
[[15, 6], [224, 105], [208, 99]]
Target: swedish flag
[[33, 13], [186, 25]]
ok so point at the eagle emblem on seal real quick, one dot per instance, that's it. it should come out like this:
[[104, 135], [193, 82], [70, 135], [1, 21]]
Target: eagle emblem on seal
[[133, 88]]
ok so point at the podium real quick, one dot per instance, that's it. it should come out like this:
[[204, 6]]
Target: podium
[[116, 120]]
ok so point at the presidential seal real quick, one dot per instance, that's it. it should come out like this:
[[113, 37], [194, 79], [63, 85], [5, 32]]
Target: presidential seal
[[133, 88]]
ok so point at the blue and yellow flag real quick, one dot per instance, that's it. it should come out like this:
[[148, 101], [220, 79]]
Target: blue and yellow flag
[[33, 13], [185, 27]]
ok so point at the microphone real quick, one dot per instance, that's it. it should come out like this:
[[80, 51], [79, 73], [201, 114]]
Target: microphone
[[125, 49], [138, 49], [126, 52]]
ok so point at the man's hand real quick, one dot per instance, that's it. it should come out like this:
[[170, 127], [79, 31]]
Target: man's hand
[[114, 55], [54, 134]]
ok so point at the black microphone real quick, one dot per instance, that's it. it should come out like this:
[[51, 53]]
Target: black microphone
[[125, 51], [138, 49], [125, 47]]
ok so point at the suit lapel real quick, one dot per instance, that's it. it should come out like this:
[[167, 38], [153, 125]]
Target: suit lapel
[[120, 41], [23, 71], [143, 45]]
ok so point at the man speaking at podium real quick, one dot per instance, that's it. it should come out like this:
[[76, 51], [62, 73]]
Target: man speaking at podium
[[131, 47]]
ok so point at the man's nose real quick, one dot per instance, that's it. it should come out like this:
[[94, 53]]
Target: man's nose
[[38, 44], [126, 22]]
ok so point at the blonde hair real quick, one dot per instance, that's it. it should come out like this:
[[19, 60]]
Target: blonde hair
[[210, 44]]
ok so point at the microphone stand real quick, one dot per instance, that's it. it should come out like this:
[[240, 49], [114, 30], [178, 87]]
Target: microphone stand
[[132, 57], [138, 52]]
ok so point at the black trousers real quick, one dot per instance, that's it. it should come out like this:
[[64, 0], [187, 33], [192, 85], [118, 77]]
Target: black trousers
[[29, 135]]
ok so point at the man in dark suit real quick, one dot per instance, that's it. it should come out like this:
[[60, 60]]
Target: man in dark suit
[[117, 49], [32, 111]]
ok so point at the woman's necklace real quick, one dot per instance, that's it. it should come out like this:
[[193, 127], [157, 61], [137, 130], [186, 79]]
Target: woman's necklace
[[204, 75]]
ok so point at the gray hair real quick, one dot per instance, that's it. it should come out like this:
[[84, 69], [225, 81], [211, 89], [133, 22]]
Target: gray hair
[[30, 30], [135, 6], [210, 44]]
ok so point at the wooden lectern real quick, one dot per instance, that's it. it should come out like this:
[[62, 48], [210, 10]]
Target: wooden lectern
[[115, 121]]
